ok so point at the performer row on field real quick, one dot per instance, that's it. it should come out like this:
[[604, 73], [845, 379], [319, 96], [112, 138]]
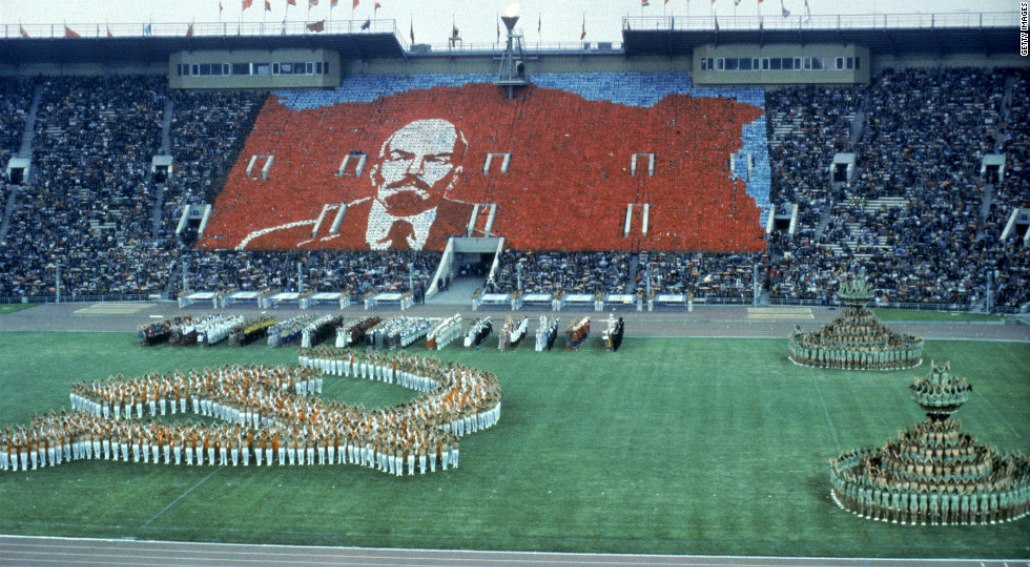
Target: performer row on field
[[934, 473], [270, 416]]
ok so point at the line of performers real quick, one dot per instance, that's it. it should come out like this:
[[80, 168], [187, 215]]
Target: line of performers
[[997, 498], [612, 335], [512, 333], [269, 415], [546, 333], [577, 333]]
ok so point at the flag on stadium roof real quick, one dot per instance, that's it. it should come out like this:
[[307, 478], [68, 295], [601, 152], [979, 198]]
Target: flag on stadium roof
[[583, 34], [189, 30], [412, 30], [312, 4], [367, 24], [355, 5], [247, 4], [68, 32], [268, 5], [318, 26], [23, 32]]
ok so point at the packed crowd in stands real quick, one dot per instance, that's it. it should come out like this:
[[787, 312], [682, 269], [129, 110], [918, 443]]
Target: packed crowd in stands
[[208, 129], [93, 209], [571, 272], [356, 271], [15, 100], [807, 126], [89, 206], [923, 137]]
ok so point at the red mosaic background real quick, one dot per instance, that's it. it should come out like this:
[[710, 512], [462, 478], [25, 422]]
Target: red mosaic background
[[566, 189]]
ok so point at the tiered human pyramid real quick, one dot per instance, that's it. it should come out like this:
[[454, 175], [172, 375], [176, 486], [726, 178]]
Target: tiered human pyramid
[[934, 472], [856, 340]]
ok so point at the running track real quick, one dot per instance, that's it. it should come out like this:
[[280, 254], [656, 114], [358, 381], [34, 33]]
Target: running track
[[60, 552]]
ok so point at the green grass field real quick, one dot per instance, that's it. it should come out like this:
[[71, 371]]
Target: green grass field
[[680, 446], [936, 316], [15, 307]]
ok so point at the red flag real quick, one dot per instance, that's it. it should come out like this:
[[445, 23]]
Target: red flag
[[189, 30], [247, 4], [355, 6], [23, 32], [333, 3], [291, 2], [109, 34], [317, 26], [268, 5], [68, 32], [377, 6], [220, 8]]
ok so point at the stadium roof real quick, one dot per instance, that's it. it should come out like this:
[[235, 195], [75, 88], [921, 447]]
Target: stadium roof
[[892, 34], [155, 42], [943, 34]]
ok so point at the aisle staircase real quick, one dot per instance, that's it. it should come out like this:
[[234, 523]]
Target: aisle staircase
[[24, 151]]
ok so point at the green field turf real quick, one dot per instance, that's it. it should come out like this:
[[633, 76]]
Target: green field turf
[[941, 316], [680, 446], [15, 307]]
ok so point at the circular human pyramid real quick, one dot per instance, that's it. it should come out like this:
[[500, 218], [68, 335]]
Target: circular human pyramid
[[934, 472], [856, 340]]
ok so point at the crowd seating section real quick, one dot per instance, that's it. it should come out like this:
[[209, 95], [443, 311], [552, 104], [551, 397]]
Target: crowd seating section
[[207, 132], [917, 219], [320, 270]]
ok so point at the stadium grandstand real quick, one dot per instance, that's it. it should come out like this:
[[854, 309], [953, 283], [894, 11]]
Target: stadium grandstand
[[737, 165], [735, 161]]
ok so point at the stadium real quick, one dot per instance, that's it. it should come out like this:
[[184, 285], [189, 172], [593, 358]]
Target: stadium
[[733, 203]]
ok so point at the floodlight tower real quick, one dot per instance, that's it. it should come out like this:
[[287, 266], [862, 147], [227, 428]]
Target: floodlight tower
[[513, 70]]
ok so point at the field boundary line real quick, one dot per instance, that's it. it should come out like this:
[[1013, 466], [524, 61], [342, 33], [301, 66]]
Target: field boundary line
[[180, 497], [829, 420]]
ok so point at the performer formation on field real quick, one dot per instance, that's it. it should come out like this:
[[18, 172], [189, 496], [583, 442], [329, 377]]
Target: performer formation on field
[[856, 340], [934, 473], [269, 415]]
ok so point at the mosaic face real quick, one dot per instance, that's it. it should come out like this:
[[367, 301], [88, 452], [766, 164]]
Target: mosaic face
[[417, 166]]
